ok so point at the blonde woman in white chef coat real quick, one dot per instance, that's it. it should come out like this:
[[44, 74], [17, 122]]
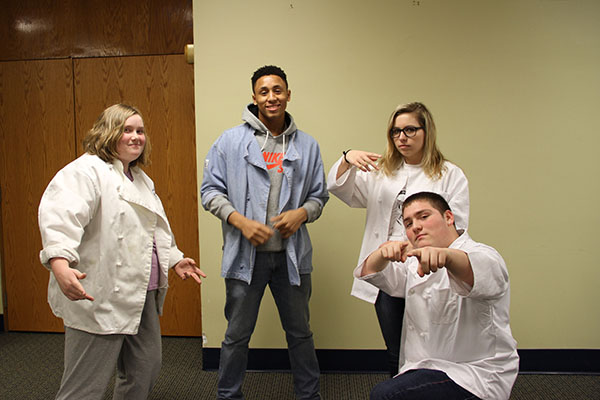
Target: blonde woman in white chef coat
[[412, 163], [107, 241]]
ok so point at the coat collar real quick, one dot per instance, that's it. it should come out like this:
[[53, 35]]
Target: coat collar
[[140, 191], [460, 240]]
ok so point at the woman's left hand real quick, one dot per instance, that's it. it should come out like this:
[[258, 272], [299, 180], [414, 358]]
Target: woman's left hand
[[187, 268]]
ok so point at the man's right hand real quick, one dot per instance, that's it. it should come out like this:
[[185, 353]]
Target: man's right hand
[[379, 259], [254, 231], [394, 250]]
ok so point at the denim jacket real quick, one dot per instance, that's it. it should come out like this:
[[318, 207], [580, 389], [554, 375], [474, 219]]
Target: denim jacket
[[235, 167]]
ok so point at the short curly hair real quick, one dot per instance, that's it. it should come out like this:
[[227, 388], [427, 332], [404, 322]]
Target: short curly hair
[[268, 70]]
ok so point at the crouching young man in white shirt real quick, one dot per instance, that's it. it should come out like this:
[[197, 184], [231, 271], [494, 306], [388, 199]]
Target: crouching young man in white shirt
[[456, 339]]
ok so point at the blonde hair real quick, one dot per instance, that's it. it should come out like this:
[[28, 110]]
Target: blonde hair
[[433, 159], [104, 136]]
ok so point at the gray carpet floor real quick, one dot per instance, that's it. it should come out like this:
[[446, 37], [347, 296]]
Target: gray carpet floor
[[31, 368]]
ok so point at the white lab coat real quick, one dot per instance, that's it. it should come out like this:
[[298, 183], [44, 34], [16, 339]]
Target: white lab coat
[[104, 225], [377, 192], [451, 327]]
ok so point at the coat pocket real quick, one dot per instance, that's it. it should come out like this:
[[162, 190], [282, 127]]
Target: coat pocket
[[444, 306]]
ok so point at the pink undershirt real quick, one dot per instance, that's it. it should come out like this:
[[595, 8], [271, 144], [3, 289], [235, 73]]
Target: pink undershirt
[[153, 283]]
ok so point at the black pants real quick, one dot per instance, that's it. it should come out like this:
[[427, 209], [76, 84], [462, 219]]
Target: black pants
[[390, 313]]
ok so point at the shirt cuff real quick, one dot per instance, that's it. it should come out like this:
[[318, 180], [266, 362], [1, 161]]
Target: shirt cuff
[[313, 210]]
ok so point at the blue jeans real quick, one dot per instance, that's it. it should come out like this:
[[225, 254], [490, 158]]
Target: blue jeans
[[420, 384], [241, 310], [390, 313]]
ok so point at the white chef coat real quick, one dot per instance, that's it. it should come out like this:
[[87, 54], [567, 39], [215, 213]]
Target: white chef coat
[[104, 225], [451, 327]]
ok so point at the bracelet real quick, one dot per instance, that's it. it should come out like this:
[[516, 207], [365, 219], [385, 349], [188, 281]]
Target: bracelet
[[344, 153]]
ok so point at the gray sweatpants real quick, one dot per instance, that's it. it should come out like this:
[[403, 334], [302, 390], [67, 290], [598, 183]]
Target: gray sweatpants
[[90, 360]]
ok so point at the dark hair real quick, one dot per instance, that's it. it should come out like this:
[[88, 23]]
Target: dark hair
[[436, 201], [268, 70]]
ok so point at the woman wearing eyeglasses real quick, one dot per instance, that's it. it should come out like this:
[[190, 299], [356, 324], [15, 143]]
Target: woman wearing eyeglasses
[[411, 163]]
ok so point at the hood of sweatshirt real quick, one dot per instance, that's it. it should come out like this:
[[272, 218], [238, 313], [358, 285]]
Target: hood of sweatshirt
[[250, 116]]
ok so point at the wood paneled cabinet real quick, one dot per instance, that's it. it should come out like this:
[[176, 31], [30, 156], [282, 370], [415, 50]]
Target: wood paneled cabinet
[[46, 107]]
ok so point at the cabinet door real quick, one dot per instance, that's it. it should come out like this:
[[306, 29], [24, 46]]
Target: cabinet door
[[162, 88], [37, 138]]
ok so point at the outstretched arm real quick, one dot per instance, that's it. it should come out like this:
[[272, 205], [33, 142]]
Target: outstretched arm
[[455, 261], [380, 258]]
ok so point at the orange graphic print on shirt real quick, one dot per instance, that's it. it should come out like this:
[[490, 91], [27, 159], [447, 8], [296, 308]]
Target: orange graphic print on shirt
[[274, 160]]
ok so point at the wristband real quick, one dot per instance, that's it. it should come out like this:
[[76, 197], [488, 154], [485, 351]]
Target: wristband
[[344, 153]]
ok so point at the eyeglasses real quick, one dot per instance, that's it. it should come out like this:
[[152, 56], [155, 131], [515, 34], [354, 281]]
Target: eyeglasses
[[409, 131]]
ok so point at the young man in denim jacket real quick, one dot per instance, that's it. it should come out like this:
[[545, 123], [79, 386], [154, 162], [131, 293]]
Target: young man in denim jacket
[[264, 179]]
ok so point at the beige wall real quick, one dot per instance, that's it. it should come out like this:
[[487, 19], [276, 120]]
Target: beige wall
[[514, 88]]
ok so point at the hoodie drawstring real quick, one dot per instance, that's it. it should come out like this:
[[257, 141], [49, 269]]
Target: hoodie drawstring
[[267, 138], [265, 142]]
